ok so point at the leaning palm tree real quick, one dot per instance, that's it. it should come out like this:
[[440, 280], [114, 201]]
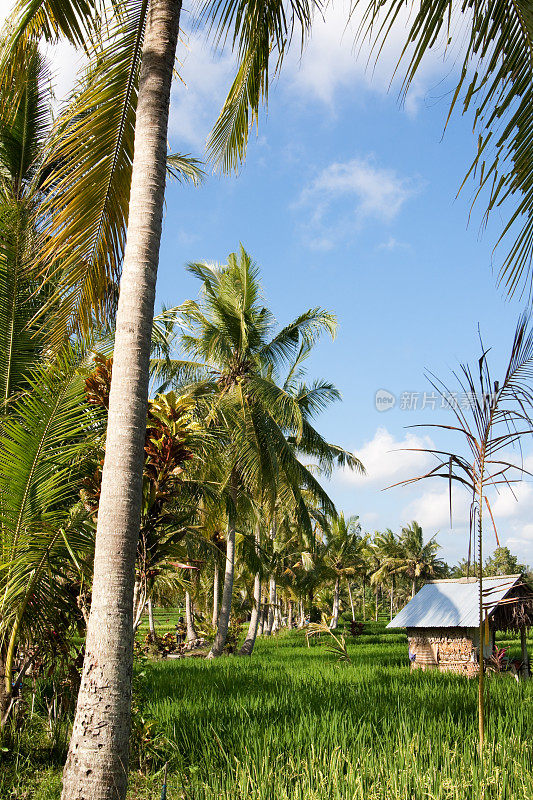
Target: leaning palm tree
[[143, 70], [498, 416]]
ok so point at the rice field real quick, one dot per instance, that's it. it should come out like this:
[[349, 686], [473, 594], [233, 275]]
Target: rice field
[[292, 724]]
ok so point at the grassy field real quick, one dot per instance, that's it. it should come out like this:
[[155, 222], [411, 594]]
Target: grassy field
[[290, 723]]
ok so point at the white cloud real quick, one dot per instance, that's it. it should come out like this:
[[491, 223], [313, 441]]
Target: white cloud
[[388, 460], [432, 509], [391, 245], [347, 194], [332, 65]]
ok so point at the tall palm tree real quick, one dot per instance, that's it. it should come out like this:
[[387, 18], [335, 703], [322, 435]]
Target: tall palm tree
[[101, 772], [389, 550], [416, 559], [233, 348], [343, 555]]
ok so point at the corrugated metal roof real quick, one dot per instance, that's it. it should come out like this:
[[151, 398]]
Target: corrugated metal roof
[[452, 603]]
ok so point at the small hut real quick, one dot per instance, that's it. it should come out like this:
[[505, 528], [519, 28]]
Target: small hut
[[442, 621]]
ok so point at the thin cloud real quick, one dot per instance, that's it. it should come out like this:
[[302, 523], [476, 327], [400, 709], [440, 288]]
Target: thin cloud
[[388, 460], [344, 196]]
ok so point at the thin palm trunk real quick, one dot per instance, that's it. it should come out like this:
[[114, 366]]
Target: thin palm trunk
[[249, 642], [151, 625], [351, 600], [377, 602], [227, 591], [272, 601], [192, 636], [97, 763], [336, 600], [290, 615], [364, 603], [216, 593], [262, 616], [301, 620], [481, 688]]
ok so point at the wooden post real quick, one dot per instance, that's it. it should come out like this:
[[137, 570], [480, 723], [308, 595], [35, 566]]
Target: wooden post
[[525, 660]]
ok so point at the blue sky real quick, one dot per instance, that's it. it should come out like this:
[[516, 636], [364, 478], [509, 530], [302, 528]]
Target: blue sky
[[347, 201]]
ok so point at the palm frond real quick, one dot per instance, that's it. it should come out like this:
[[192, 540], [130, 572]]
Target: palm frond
[[496, 80], [185, 168], [260, 30], [89, 164]]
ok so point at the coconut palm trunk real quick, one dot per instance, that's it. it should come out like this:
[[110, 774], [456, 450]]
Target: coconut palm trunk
[[216, 592], [227, 590], [301, 619], [290, 615], [249, 642], [151, 625], [272, 601], [192, 636], [413, 588], [351, 599], [336, 600], [97, 763]]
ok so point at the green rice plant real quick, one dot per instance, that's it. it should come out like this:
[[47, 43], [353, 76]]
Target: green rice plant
[[288, 724]]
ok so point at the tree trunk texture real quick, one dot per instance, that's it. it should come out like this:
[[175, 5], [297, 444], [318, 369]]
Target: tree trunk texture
[[5, 695], [290, 615], [336, 599], [192, 636], [301, 620], [272, 601], [97, 763], [249, 642], [351, 599], [216, 593], [227, 591], [364, 599], [151, 626], [413, 588]]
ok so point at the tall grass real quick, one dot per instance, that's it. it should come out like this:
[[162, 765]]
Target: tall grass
[[291, 724]]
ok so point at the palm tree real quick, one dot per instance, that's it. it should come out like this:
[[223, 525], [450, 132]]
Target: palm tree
[[235, 352], [416, 560], [498, 416], [389, 550], [153, 33], [47, 430], [343, 555]]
